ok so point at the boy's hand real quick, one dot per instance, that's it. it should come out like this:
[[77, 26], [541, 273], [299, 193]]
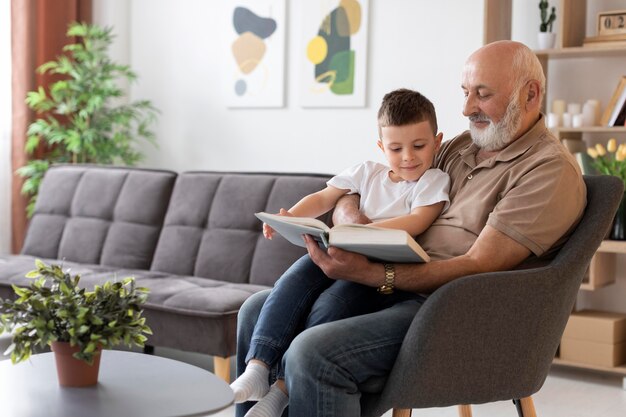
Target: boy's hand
[[268, 232]]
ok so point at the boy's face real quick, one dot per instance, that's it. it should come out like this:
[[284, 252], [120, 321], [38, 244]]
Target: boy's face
[[409, 149]]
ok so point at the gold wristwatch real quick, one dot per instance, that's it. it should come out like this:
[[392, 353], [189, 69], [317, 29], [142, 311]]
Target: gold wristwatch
[[390, 279]]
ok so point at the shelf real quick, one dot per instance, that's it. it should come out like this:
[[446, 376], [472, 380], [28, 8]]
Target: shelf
[[582, 52], [591, 129], [621, 369], [612, 246]]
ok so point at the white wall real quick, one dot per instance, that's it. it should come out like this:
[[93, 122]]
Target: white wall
[[174, 47], [5, 127]]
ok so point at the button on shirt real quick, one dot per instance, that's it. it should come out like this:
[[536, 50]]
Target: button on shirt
[[532, 191]]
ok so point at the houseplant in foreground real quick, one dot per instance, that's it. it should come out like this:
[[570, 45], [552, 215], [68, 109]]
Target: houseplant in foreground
[[54, 311]]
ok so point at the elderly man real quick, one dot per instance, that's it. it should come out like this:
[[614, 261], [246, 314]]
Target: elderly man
[[516, 193]]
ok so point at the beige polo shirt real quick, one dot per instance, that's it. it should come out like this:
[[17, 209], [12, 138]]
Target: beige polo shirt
[[532, 191]]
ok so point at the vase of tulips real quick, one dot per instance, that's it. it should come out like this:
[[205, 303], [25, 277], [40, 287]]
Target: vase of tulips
[[612, 161]]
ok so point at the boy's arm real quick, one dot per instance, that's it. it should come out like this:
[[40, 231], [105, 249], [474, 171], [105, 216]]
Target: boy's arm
[[316, 204], [415, 223], [312, 205]]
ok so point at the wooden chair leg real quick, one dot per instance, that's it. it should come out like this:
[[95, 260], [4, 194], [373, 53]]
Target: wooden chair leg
[[221, 366], [528, 407], [465, 410], [401, 412]]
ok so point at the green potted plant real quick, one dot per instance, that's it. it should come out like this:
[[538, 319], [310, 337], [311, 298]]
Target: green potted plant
[[545, 36], [77, 324], [82, 118]]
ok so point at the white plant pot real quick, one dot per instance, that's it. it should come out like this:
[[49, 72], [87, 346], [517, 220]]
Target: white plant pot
[[546, 40]]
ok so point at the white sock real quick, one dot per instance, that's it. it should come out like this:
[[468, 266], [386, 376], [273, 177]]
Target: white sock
[[272, 405], [252, 384]]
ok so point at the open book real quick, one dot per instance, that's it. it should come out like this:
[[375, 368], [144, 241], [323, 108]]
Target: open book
[[374, 242]]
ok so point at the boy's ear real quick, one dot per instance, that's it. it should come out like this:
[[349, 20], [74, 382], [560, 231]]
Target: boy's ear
[[438, 140], [380, 145]]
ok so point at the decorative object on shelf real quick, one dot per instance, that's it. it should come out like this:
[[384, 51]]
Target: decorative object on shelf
[[615, 112], [591, 113], [611, 29], [612, 161], [254, 53], [575, 116], [333, 53], [546, 37], [78, 122], [69, 318]]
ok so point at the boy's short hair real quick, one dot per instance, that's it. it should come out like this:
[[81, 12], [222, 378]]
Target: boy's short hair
[[403, 106]]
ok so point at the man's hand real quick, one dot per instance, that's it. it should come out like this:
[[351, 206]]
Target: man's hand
[[340, 264], [347, 211]]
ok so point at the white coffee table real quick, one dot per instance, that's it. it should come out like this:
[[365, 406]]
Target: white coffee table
[[130, 385]]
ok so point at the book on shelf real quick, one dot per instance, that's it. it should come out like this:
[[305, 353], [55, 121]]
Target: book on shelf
[[377, 243], [616, 109]]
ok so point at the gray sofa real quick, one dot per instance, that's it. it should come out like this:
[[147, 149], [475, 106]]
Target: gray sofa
[[191, 238]]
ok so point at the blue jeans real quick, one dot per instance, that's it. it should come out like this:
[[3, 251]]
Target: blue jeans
[[328, 367], [305, 297]]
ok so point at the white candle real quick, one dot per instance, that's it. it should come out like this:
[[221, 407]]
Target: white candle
[[567, 120], [589, 113], [558, 107], [577, 120], [573, 108], [595, 104], [552, 120]]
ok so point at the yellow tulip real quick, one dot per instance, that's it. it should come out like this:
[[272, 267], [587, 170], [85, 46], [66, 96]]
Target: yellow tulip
[[600, 149], [620, 156], [621, 148], [611, 146], [592, 153]]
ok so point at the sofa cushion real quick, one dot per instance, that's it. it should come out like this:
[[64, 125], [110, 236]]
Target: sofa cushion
[[210, 230], [99, 215]]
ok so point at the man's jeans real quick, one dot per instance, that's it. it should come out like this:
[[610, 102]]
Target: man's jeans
[[329, 367], [305, 297]]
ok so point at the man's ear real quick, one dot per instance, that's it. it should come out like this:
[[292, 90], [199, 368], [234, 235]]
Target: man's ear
[[380, 145], [533, 94]]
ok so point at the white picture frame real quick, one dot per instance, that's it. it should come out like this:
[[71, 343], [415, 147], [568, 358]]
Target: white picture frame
[[333, 44], [254, 53]]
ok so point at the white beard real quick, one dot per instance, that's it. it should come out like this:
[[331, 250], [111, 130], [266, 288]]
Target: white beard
[[497, 136]]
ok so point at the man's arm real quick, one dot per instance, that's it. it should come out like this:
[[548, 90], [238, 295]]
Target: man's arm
[[492, 251], [347, 211]]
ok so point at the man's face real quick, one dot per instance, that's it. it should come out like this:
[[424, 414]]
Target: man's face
[[492, 106]]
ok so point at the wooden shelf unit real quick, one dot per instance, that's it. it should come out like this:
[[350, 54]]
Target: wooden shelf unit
[[602, 269], [620, 369], [570, 37]]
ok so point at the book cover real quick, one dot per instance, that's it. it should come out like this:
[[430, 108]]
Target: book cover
[[376, 243], [616, 104]]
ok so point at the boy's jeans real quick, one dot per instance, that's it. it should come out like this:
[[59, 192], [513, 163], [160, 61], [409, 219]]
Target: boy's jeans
[[329, 366]]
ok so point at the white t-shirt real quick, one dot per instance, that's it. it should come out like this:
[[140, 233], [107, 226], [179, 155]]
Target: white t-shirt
[[381, 198]]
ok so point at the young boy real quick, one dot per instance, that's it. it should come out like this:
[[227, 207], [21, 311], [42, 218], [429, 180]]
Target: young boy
[[407, 195]]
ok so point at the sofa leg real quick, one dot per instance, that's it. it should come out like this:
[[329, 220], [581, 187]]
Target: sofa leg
[[148, 349], [465, 410], [401, 412], [221, 366]]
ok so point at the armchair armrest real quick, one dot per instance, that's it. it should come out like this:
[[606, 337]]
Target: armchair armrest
[[475, 337]]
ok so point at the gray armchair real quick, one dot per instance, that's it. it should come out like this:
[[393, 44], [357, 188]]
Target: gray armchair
[[492, 337]]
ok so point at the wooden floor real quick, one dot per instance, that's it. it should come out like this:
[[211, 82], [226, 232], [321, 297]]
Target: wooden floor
[[566, 393]]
